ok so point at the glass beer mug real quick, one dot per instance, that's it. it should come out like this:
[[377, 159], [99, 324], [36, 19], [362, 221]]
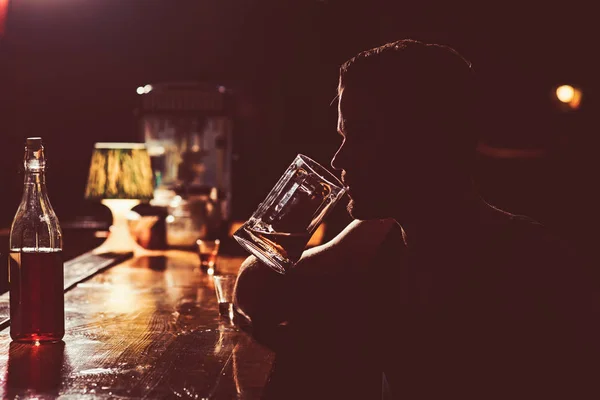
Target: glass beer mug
[[280, 228]]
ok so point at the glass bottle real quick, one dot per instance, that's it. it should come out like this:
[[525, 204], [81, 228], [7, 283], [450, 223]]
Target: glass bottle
[[36, 277]]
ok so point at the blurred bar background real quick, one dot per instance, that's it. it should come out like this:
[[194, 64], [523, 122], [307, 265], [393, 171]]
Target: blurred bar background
[[246, 85]]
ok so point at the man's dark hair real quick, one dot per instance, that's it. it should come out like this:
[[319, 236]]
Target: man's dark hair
[[427, 85]]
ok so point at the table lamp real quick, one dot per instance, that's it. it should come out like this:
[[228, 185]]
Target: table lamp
[[120, 176]]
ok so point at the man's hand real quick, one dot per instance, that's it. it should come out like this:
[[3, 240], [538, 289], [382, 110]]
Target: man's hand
[[260, 293]]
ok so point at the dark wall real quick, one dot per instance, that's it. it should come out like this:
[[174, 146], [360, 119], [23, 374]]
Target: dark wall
[[69, 70]]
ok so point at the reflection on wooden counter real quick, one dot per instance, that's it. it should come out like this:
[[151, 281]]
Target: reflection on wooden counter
[[146, 328]]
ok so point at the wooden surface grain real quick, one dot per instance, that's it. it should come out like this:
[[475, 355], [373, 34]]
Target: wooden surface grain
[[147, 328], [75, 271]]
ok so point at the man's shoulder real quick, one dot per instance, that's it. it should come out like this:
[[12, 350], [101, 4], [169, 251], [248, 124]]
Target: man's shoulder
[[524, 241], [358, 242], [523, 230], [359, 233]]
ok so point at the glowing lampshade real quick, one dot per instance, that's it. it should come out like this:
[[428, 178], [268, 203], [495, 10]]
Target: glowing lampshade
[[120, 176]]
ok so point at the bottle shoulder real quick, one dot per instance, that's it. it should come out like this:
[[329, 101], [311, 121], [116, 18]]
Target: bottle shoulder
[[35, 231]]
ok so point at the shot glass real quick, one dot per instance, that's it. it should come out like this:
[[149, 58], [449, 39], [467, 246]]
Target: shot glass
[[208, 250], [224, 285], [278, 231]]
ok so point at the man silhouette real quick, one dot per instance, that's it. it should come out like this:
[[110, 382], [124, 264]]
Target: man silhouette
[[445, 294]]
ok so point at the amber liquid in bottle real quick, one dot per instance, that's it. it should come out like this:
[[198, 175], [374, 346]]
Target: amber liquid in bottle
[[36, 296], [35, 273]]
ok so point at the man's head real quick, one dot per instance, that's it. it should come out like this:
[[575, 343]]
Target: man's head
[[406, 116]]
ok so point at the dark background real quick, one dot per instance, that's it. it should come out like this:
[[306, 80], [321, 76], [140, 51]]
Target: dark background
[[69, 70]]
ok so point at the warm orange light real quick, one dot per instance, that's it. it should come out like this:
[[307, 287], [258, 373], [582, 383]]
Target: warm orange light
[[235, 225], [569, 95], [121, 298], [3, 13], [565, 93], [574, 103], [317, 237]]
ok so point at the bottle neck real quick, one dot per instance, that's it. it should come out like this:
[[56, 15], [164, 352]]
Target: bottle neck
[[35, 226], [34, 190], [35, 169], [37, 178]]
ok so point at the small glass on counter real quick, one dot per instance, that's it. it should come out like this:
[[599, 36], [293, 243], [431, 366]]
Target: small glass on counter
[[208, 250], [224, 286]]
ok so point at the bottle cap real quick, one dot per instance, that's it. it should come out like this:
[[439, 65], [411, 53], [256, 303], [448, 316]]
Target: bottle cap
[[34, 143]]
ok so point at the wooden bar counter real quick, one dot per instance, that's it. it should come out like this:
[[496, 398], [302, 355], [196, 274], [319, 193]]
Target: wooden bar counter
[[145, 328]]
